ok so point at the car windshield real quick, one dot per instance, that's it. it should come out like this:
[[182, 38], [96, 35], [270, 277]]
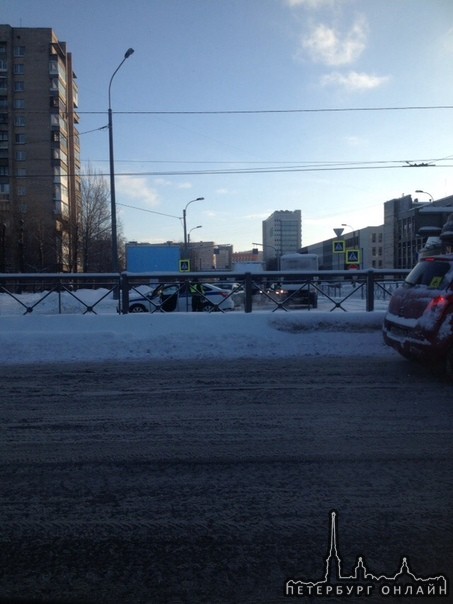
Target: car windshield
[[432, 273]]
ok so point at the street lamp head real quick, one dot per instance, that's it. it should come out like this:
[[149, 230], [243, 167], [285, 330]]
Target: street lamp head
[[425, 193], [128, 53], [199, 199]]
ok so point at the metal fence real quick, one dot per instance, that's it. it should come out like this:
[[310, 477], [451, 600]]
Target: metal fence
[[107, 293]]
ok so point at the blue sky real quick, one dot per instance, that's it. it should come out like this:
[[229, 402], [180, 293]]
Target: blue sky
[[312, 80]]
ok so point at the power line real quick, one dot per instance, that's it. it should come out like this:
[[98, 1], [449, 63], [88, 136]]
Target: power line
[[268, 170], [272, 111], [150, 211]]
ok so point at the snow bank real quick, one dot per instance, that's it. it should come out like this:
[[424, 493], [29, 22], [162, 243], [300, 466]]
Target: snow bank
[[78, 338]]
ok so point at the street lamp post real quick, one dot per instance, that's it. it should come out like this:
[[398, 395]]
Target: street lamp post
[[193, 229], [112, 172], [184, 214], [277, 253], [354, 242]]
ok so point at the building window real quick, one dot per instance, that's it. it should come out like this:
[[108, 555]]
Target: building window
[[53, 67], [21, 156], [4, 171], [19, 103], [21, 139], [3, 65], [19, 120], [4, 188], [19, 51], [19, 69], [19, 86], [21, 172], [21, 191]]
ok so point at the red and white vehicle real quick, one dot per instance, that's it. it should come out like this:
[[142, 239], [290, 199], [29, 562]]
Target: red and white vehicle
[[419, 320]]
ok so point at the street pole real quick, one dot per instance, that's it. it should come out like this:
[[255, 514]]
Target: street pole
[[115, 266], [184, 221], [277, 252]]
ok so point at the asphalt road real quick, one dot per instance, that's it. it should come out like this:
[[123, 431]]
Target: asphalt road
[[189, 482]]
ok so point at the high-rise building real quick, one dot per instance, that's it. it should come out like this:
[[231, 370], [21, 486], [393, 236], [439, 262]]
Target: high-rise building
[[282, 234], [40, 192]]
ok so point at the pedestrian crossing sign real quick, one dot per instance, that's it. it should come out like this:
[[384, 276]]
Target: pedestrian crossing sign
[[352, 256], [184, 266], [339, 246]]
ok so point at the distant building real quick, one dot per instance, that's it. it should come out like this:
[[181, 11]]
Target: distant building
[[223, 256], [40, 191], [407, 225], [368, 242], [396, 244], [150, 257], [202, 255], [253, 255], [282, 234]]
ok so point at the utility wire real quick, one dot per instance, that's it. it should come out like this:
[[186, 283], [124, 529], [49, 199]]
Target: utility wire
[[268, 170], [271, 111], [150, 211]]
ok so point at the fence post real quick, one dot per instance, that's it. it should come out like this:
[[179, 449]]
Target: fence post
[[370, 291], [124, 294], [59, 297], [248, 292]]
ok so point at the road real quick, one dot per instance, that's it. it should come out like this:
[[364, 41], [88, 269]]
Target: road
[[189, 482]]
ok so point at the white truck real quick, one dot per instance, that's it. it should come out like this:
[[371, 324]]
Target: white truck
[[299, 291]]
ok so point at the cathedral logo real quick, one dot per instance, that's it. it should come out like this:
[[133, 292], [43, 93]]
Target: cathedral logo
[[404, 583]]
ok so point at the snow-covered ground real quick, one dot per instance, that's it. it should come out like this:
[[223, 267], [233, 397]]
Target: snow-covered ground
[[43, 337]]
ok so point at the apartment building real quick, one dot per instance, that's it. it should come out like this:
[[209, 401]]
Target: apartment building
[[40, 192], [282, 234], [407, 225]]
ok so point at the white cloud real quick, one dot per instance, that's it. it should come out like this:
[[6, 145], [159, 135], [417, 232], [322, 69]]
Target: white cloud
[[185, 185], [354, 81], [354, 141], [260, 216], [137, 189], [162, 182], [329, 46], [448, 41], [309, 3]]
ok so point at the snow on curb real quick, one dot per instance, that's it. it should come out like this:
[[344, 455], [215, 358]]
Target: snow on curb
[[79, 338]]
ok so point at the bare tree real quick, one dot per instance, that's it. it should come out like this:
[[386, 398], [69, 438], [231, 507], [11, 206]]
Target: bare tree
[[95, 224]]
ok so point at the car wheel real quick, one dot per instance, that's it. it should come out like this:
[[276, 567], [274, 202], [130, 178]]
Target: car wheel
[[137, 308], [407, 355]]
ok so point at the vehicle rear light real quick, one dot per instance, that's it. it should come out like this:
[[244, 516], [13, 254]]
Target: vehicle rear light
[[438, 303]]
